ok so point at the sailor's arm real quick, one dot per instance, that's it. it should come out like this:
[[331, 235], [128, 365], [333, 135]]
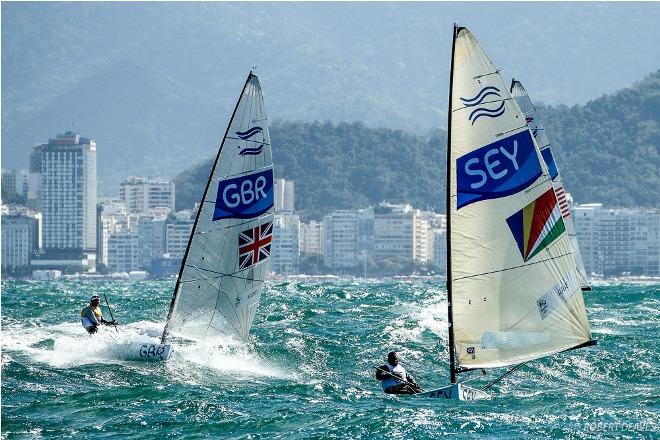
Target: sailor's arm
[[89, 314], [382, 372]]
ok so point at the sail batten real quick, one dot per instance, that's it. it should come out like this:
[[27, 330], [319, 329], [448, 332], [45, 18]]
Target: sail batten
[[225, 265], [512, 283]]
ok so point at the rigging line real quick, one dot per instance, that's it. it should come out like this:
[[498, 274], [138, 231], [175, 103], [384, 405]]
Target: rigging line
[[264, 168], [513, 129], [230, 275], [254, 219], [229, 301], [514, 267], [486, 74], [503, 376], [527, 190], [247, 140]]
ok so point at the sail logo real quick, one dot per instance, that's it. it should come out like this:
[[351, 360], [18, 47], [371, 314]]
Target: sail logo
[[247, 134], [245, 196], [537, 225], [478, 100], [251, 151], [254, 245], [558, 294], [496, 170]]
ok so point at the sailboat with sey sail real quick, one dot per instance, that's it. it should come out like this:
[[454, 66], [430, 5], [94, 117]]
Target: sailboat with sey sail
[[513, 290]]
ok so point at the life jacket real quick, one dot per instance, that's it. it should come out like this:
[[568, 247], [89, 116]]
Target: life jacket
[[85, 321], [391, 381]]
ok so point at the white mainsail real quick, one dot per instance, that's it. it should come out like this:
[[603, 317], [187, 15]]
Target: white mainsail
[[513, 289], [223, 270], [529, 112]]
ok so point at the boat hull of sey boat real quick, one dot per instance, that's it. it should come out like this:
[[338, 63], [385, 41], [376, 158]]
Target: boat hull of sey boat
[[455, 391]]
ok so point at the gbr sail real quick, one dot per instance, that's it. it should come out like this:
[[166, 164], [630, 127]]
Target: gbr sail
[[514, 294], [223, 270], [529, 112]]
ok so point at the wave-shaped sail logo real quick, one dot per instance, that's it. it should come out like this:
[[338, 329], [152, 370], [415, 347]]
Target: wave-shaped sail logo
[[251, 151], [247, 134], [479, 99]]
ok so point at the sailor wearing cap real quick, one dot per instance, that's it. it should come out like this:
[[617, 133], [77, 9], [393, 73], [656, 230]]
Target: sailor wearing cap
[[91, 316]]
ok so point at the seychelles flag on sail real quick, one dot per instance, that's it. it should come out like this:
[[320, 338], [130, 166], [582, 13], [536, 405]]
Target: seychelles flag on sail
[[537, 225]]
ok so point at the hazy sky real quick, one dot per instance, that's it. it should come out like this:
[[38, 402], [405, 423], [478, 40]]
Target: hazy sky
[[155, 79]]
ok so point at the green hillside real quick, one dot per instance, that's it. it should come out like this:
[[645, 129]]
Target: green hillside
[[607, 151]]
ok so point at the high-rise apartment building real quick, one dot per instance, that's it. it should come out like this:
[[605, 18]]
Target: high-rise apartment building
[[620, 241], [68, 201], [141, 194], [311, 238], [349, 238], [20, 238], [15, 181], [285, 248], [177, 233], [284, 195], [400, 232]]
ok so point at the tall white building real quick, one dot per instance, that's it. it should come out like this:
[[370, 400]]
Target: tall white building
[[152, 231], [141, 194], [284, 195], [438, 238], [15, 181], [285, 249], [177, 233], [348, 238], [311, 238], [401, 232], [112, 217], [20, 238], [617, 242], [123, 251], [68, 201]]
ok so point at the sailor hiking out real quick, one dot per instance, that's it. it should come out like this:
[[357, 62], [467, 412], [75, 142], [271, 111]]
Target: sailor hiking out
[[91, 316], [394, 378]]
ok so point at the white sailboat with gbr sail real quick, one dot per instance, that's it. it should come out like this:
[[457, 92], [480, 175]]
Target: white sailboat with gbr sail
[[514, 294], [225, 264]]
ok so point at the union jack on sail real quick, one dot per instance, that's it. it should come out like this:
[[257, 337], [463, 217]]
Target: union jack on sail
[[254, 245]]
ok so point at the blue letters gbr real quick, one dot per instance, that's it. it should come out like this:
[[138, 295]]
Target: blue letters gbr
[[497, 170], [244, 197]]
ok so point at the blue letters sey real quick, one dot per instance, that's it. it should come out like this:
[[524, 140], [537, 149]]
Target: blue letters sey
[[244, 197], [502, 168]]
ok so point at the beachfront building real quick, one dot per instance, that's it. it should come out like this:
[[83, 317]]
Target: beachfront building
[[348, 238], [285, 247], [401, 232], [141, 194], [311, 238], [67, 166], [619, 241], [21, 238]]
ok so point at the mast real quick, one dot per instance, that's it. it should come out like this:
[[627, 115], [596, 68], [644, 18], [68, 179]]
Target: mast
[[190, 239], [452, 361]]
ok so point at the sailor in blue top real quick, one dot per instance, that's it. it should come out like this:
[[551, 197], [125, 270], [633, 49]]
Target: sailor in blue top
[[394, 378], [91, 316]]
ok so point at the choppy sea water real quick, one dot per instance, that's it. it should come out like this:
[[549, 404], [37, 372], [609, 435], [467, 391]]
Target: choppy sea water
[[306, 372]]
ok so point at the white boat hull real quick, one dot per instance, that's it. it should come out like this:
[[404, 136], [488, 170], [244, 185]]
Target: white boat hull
[[455, 391], [147, 352]]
